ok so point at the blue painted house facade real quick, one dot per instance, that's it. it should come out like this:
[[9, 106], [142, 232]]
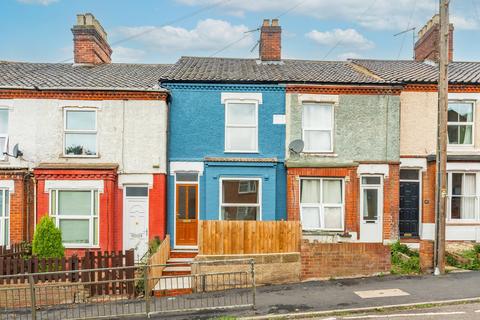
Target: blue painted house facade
[[226, 155]]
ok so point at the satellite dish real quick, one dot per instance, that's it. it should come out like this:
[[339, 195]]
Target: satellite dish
[[296, 146], [15, 152]]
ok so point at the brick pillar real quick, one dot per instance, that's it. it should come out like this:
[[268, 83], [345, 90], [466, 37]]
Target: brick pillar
[[391, 203], [428, 218]]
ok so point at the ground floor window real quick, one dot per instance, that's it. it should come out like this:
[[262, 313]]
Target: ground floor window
[[75, 212], [240, 199], [4, 217], [463, 195], [322, 203]]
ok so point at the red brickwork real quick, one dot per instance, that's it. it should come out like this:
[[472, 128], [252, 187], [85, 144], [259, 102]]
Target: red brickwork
[[352, 196], [351, 192], [21, 205], [428, 193], [427, 47], [270, 41], [426, 255], [322, 260], [82, 94], [391, 203]]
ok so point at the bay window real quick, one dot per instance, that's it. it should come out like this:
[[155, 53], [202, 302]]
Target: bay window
[[75, 212], [80, 132], [240, 199], [463, 196], [460, 123], [4, 217], [241, 126], [322, 203], [317, 127]]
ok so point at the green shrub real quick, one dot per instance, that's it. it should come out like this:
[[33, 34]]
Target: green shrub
[[47, 240], [399, 264]]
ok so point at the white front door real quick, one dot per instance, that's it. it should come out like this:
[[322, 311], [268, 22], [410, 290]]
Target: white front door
[[371, 208], [135, 220]]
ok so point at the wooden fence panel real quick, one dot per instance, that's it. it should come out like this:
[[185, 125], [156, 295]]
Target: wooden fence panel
[[158, 258], [248, 237]]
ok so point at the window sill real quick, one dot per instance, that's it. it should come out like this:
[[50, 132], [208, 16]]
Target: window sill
[[245, 152], [72, 246], [463, 223], [320, 154], [322, 232], [79, 156]]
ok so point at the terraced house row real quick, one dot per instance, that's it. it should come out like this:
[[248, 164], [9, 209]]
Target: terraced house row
[[119, 154]]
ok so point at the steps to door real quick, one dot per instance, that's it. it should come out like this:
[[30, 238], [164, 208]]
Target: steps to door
[[177, 276]]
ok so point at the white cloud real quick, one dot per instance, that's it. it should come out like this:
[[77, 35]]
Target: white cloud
[[208, 35], [463, 23], [350, 38], [127, 55], [378, 15], [42, 2], [348, 55]]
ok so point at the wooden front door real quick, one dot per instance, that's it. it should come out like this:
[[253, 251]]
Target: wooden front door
[[186, 215]]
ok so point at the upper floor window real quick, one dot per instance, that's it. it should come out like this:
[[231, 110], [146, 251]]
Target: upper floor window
[[460, 123], [80, 132], [3, 131], [241, 126], [317, 127]]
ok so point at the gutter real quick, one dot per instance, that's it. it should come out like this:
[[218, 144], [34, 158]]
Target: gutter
[[83, 88]]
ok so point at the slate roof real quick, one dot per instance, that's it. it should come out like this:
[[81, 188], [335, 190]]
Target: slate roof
[[114, 76], [197, 69], [421, 72]]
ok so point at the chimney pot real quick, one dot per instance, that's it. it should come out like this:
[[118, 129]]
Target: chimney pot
[[275, 23], [90, 41], [266, 23]]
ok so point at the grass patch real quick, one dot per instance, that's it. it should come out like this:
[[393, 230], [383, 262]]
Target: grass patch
[[467, 259], [404, 259]]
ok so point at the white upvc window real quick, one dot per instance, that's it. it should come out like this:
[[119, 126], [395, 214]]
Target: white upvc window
[[317, 127], [322, 203], [240, 199], [371, 193], [241, 126], [463, 195], [460, 123], [3, 132], [75, 212], [80, 132], [4, 217]]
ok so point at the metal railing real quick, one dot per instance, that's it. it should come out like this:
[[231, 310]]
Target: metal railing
[[212, 285]]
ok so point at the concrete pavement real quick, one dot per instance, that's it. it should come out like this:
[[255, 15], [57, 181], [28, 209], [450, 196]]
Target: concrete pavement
[[346, 294]]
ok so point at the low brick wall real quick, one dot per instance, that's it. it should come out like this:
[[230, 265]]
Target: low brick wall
[[271, 268], [326, 260]]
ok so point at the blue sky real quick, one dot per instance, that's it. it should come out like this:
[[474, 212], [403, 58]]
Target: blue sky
[[39, 30]]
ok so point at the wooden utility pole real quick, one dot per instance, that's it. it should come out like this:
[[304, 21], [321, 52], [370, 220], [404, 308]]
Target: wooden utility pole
[[442, 140]]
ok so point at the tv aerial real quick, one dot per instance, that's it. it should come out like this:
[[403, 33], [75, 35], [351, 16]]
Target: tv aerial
[[413, 37]]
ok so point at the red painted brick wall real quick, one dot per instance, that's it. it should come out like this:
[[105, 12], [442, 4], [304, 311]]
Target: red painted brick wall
[[323, 260], [158, 207], [108, 218]]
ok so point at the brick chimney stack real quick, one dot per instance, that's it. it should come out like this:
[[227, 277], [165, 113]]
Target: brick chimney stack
[[427, 45], [270, 41], [90, 41]]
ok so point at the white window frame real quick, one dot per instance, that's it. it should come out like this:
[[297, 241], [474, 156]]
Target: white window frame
[[227, 125], [476, 196], [258, 205], [372, 186], [321, 206], [470, 123], [5, 217], [317, 128], [67, 131], [5, 135], [90, 218]]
